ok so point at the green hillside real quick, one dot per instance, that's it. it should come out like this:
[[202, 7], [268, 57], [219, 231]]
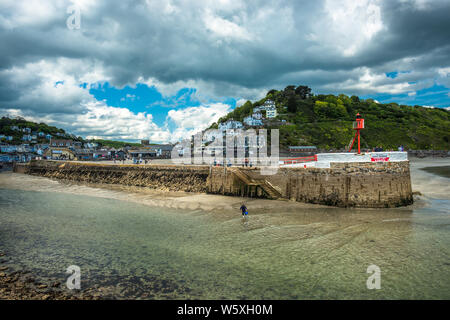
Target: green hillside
[[326, 121], [115, 144], [6, 125]]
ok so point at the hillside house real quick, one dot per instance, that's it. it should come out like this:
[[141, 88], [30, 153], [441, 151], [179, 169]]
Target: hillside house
[[57, 153], [269, 107], [61, 143], [253, 121], [230, 124]]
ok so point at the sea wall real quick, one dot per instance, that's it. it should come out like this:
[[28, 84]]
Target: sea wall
[[355, 184], [163, 177]]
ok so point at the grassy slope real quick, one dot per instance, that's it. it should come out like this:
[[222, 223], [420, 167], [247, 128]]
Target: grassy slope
[[326, 121]]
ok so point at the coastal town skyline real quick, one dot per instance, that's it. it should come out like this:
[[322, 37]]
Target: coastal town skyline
[[152, 71]]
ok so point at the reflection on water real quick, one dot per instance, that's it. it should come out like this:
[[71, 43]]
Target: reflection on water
[[316, 253]]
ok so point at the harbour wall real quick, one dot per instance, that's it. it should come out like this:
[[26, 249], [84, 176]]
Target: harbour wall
[[162, 177], [355, 184], [360, 184]]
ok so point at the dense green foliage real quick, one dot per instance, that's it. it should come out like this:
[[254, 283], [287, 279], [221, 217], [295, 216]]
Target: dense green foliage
[[6, 125], [115, 144], [326, 121]]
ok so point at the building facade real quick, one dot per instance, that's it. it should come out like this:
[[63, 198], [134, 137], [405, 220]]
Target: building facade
[[252, 121], [230, 124]]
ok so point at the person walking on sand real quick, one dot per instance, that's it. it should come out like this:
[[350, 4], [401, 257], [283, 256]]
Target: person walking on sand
[[244, 212]]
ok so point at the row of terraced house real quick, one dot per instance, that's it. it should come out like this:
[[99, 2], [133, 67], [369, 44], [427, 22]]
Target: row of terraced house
[[67, 149]]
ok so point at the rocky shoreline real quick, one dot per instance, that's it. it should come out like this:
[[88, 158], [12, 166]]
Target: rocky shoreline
[[23, 285]]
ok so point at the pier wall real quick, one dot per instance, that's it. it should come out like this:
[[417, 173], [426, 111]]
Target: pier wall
[[364, 184], [163, 177]]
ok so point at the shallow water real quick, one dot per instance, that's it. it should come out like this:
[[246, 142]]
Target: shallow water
[[443, 171], [313, 253]]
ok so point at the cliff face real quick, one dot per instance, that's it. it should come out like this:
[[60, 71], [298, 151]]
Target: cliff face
[[363, 184]]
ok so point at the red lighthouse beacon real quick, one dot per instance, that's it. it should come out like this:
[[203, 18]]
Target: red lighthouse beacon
[[357, 125]]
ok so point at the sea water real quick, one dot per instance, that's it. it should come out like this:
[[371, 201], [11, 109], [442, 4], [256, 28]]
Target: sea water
[[124, 247]]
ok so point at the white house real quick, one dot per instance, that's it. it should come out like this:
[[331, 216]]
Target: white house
[[257, 115], [271, 112], [230, 124], [252, 121], [269, 107], [269, 103], [210, 135], [91, 145], [8, 148]]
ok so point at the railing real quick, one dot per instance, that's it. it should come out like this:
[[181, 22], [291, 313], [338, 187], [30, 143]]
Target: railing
[[300, 159]]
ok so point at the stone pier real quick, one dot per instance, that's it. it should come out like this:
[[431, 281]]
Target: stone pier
[[342, 184]]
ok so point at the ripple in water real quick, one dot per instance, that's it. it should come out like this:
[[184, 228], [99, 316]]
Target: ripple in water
[[129, 250]]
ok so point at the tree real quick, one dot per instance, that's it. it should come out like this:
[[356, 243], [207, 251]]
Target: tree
[[292, 104], [355, 99], [289, 90], [304, 92]]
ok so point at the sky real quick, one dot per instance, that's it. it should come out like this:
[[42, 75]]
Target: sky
[[165, 69]]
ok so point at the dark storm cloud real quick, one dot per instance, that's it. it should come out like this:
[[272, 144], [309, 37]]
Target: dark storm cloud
[[411, 31]]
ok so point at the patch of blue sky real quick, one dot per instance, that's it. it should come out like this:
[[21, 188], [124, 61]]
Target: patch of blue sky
[[395, 74], [392, 74], [143, 98], [437, 96]]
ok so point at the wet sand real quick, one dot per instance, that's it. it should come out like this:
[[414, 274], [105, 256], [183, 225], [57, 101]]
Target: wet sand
[[429, 184], [152, 197], [440, 171]]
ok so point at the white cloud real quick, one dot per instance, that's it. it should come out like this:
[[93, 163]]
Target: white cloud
[[115, 123], [240, 102], [194, 119], [368, 81], [223, 28], [352, 24]]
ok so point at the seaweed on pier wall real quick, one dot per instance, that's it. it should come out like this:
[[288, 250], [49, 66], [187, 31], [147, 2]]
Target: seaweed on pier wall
[[168, 178]]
